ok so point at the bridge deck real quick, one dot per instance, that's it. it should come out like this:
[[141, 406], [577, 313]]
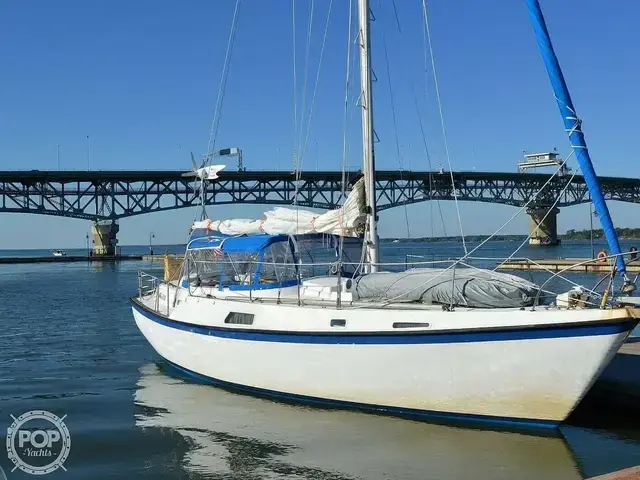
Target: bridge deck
[[24, 176], [110, 195]]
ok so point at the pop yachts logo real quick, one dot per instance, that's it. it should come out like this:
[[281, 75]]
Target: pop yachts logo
[[38, 442]]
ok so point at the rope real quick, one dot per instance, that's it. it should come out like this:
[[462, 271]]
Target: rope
[[444, 131], [223, 81]]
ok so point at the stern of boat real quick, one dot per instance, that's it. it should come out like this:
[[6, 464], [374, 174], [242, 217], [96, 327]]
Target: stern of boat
[[155, 294]]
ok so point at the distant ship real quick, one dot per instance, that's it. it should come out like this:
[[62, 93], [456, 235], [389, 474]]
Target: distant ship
[[59, 253]]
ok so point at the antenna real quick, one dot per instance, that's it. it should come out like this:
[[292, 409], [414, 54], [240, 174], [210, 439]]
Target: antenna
[[232, 152]]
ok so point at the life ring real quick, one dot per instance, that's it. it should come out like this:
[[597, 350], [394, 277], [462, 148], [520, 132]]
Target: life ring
[[602, 256]]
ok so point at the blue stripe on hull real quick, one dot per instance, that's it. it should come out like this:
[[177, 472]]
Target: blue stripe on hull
[[489, 335], [503, 423]]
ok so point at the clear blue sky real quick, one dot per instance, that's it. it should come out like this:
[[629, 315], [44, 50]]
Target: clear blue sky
[[141, 78]]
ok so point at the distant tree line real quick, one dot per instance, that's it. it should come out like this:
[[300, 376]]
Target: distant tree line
[[598, 234], [623, 234], [468, 238]]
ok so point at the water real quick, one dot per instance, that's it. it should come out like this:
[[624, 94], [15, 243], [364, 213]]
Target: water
[[70, 346], [124, 250]]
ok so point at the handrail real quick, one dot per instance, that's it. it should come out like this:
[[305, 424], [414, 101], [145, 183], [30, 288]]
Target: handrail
[[535, 303], [148, 284]]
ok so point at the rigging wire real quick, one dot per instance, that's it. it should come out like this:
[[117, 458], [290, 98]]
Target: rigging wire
[[217, 113], [305, 79], [426, 149], [444, 131], [302, 148], [521, 209], [317, 82], [393, 108], [345, 137], [421, 124], [295, 83], [223, 82], [460, 260], [546, 215], [425, 72]]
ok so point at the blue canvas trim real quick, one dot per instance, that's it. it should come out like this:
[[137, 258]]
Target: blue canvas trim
[[503, 422], [237, 244], [391, 338]]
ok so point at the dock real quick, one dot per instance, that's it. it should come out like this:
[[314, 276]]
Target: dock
[[70, 259], [174, 258], [632, 473], [161, 257], [566, 264], [616, 392], [631, 347]]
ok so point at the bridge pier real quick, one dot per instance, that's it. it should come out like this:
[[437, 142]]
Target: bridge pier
[[543, 231], [104, 237]]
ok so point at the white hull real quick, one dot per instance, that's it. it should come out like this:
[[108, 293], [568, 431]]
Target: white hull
[[521, 366]]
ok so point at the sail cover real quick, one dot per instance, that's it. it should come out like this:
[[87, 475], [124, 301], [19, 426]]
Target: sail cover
[[471, 288], [345, 221]]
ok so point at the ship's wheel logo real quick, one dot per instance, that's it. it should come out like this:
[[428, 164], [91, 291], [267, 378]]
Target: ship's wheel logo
[[38, 442]]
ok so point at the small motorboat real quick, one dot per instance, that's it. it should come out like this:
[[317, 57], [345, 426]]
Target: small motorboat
[[59, 253]]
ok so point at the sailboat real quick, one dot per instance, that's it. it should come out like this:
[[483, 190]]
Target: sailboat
[[287, 307]]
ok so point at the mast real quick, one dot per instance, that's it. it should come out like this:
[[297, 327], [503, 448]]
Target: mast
[[572, 124], [366, 101]]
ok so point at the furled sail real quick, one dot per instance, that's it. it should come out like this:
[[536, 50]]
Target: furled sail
[[464, 287], [345, 221]]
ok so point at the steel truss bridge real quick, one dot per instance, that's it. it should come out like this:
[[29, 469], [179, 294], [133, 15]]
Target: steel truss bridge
[[112, 195]]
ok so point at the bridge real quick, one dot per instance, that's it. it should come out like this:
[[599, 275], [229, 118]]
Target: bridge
[[106, 196]]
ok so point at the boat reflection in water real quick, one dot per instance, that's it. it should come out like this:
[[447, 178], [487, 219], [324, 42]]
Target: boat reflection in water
[[249, 437]]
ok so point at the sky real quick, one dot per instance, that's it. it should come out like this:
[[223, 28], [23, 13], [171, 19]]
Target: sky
[[141, 80]]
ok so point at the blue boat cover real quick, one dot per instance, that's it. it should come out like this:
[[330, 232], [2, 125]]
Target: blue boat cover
[[241, 244]]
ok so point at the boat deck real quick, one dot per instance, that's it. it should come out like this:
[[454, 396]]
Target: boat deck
[[69, 259]]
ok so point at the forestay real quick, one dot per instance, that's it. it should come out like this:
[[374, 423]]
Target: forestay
[[467, 287], [344, 221]]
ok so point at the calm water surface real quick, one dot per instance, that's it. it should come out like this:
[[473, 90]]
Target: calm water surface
[[70, 346]]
